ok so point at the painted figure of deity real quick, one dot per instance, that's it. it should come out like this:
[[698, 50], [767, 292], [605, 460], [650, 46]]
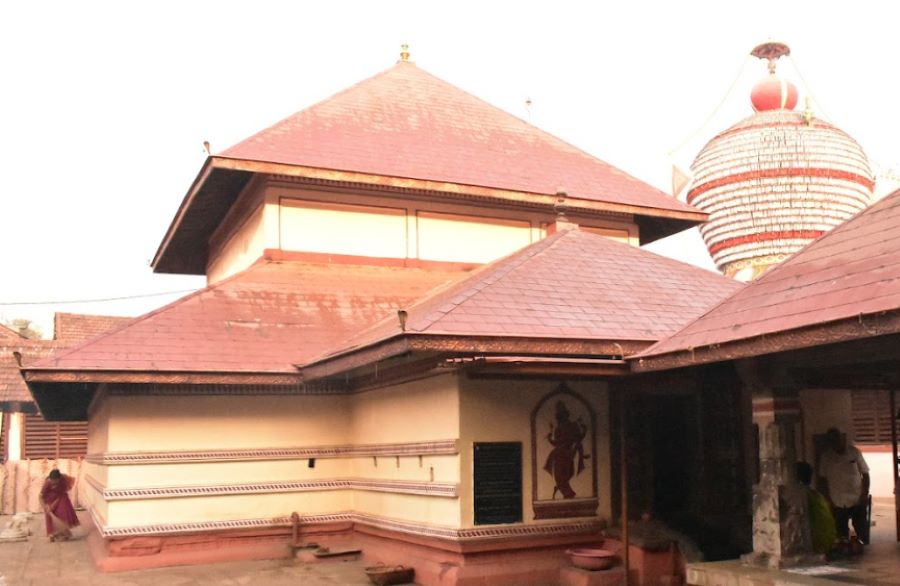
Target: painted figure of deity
[[566, 459]]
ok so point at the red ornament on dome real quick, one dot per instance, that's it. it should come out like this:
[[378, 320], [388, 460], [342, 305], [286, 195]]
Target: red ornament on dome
[[773, 93]]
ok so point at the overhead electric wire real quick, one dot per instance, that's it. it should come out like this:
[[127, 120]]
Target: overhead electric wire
[[98, 300], [715, 111]]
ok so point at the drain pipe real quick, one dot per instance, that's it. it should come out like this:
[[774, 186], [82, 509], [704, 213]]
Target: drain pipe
[[295, 528], [894, 460]]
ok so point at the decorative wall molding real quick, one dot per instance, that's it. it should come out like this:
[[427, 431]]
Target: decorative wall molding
[[438, 489], [426, 448], [174, 390], [436, 531], [537, 201]]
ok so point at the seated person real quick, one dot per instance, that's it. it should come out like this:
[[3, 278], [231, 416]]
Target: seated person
[[821, 522]]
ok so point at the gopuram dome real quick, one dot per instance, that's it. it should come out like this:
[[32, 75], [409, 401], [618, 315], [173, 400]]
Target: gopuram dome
[[776, 180]]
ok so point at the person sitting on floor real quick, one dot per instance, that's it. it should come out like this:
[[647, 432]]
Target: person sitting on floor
[[822, 527]]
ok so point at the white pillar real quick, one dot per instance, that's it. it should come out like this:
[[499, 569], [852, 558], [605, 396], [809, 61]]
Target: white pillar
[[16, 429]]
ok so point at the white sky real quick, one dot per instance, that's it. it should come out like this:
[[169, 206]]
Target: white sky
[[104, 106]]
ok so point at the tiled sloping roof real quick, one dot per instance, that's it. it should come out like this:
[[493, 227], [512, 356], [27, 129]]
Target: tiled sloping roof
[[12, 386], [259, 321], [849, 272], [407, 123], [69, 328], [573, 284], [7, 333]]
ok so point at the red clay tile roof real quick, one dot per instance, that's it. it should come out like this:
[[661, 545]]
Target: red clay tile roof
[[406, 129], [12, 386], [262, 320], [574, 285], [77, 327], [405, 122], [850, 272], [7, 333]]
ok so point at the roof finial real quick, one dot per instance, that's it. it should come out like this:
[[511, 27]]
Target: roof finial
[[807, 111], [771, 51], [560, 206], [404, 53]]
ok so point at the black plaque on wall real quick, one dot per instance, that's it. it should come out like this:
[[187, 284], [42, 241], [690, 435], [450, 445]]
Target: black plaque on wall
[[498, 483]]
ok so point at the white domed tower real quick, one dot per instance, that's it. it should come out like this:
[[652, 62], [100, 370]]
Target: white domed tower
[[776, 180]]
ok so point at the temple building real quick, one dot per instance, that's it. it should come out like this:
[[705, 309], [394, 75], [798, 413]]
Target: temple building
[[429, 334], [417, 309]]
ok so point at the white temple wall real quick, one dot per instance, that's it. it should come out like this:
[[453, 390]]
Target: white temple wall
[[388, 453], [821, 410], [284, 216], [242, 248]]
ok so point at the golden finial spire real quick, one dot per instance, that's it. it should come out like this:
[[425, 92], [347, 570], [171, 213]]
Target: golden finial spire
[[404, 52], [807, 112]]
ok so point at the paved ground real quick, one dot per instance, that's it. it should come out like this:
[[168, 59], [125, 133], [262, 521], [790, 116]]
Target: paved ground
[[37, 562]]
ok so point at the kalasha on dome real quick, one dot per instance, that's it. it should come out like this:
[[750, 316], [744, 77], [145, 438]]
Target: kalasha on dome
[[776, 180]]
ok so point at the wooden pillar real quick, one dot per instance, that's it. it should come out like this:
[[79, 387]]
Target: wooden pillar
[[894, 468], [781, 536]]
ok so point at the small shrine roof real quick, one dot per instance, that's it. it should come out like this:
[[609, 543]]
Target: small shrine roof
[[69, 329], [844, 285], [570, 286], [77, 327]]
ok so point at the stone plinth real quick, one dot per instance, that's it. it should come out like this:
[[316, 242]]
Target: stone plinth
[[570, 576]]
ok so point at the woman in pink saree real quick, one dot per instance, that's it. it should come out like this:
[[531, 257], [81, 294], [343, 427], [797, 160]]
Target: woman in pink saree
[[59, 513]]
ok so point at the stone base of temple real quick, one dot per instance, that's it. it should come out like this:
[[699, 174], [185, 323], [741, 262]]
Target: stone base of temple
[[765, 560], [500, 561], [578, 577]]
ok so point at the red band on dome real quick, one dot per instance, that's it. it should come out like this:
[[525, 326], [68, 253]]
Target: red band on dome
[[788, 172], [764, 237]]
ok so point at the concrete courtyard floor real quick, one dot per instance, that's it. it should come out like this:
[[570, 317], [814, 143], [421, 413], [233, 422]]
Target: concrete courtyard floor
[[38, 562]]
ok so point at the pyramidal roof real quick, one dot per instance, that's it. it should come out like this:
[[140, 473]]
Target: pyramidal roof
[[405, 128], [843, 286], [572, 285], [405, 122]]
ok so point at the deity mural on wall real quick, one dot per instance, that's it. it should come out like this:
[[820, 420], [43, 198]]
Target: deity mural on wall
[[563, 440], [567, 457]]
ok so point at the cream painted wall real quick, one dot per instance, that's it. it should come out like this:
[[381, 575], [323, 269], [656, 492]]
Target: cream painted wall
[[343, 229], [880, 472], [384, 416], [224, 422], [241, 250], [279, 215], [423, 410], [408, 507], [500, 411], [823, 409], [98, 427], [228, 472], [227, 508], [91, 495], [462, 238]]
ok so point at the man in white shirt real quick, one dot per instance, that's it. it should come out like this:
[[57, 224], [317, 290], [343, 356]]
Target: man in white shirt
[[846, 484]]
